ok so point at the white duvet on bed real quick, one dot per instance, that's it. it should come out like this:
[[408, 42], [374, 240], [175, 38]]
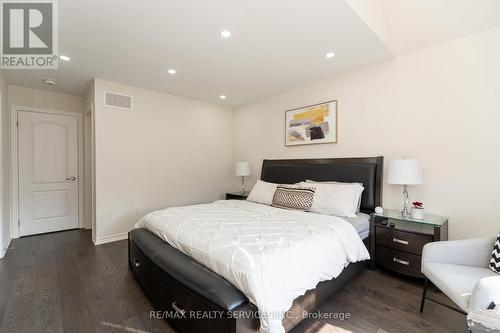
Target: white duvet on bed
[[272, 255]]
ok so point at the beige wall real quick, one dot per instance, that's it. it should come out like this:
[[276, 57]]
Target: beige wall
[[440, 105], [4, 168], [45, 99], [168, 151]]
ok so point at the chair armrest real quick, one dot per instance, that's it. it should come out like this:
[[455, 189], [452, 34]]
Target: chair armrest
[[485, 291], [469, 252]]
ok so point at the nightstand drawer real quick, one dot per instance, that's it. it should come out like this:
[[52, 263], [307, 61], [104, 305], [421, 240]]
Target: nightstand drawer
[[399, 240], [399, 261]]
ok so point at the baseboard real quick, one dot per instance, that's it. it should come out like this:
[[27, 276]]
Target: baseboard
[[5, 246], [111, 238]]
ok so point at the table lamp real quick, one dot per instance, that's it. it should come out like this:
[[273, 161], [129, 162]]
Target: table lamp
[[405, 172], [242, 170]]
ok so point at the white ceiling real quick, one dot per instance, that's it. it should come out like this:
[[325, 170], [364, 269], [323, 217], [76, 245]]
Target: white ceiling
[[275, 45], [408, 25]]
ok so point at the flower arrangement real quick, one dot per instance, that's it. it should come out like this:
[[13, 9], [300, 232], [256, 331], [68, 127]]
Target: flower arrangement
[[417, 211], [418, 204]]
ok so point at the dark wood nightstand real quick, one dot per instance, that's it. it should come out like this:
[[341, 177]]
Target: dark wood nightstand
[[237, 195], [399, 248]]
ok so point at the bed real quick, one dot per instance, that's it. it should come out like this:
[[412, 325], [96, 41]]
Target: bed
[[194, 298]]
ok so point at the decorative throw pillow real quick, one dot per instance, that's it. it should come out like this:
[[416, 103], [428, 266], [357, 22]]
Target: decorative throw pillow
[[293, 197], [495, 257]]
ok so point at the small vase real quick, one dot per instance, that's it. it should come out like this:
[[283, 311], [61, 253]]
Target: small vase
[[417, 213]]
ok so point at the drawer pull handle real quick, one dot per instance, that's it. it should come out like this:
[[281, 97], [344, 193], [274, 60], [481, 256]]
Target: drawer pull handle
[[137, 263], [178, 309], [402, 262], [400, 241]]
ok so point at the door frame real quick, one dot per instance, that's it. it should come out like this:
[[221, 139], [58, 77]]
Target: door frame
[[14, 167]]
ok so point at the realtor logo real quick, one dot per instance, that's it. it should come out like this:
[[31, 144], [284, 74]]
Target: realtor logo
[[29, 34]]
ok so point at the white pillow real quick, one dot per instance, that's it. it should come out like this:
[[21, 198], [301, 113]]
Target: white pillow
[[340, 183], [262, 192], [336, 199]]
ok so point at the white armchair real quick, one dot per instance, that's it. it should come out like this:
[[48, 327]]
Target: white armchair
[[460, 270]]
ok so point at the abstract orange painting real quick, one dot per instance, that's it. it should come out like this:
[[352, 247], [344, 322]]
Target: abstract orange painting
[[312, 124]]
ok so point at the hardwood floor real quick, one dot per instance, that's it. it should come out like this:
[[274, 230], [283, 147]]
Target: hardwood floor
[[60, 282]]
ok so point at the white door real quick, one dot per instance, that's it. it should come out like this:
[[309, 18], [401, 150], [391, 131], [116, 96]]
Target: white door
[[48, 172]]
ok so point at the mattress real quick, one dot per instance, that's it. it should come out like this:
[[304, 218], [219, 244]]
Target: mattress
[[257, 247], [361, 223]]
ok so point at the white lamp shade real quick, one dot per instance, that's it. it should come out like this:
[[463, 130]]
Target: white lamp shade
[[243, 169], [405, 172]]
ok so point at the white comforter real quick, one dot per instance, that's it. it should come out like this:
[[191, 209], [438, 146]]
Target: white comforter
[[272, 255]]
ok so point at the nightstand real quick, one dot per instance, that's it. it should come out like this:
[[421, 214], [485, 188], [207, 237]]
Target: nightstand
[[237, 195], [399, 248]]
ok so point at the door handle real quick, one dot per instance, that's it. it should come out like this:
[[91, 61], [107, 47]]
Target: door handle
[[70, 178]]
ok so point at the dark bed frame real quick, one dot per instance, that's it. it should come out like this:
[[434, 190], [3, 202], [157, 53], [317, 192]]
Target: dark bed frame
[[195, 299]]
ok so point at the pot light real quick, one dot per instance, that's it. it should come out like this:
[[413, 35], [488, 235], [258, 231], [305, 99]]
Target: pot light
[[222, 96], [64, 57], [330, 55], [171, 71], [225, 33]]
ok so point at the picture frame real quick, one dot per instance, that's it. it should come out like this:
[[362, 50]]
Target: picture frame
[[312, 124]]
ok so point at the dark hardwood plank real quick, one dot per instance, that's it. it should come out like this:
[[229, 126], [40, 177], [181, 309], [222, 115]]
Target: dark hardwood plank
[[47, 307], [61, 282], [385, 301], [76, 312], [18, 313], [18, 316]]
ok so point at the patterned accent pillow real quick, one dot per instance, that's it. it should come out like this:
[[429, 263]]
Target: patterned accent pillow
[[495, 257], [294, 197]]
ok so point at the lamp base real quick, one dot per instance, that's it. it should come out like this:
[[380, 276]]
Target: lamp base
[[242, 184], [406, 201], [404, 212]]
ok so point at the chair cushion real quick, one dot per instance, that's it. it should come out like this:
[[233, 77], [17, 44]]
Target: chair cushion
[[456, 281], [495, 257]]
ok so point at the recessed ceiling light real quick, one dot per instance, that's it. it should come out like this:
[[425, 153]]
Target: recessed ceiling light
[[172, 71], [225, 33], [330, 55], [222, 96], [64, 57], [49, 82]]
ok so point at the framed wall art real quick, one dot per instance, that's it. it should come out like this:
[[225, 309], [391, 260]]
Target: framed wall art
[[312, 124]]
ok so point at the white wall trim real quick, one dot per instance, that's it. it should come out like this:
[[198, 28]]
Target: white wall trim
[[4, 248], [14, 174], [92, 171], [111, 238], [88, 115]]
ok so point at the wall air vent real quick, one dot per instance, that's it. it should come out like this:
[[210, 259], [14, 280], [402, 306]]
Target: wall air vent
[[117, 101]]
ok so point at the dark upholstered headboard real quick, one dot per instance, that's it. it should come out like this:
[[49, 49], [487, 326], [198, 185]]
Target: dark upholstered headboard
[[365, 170]]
